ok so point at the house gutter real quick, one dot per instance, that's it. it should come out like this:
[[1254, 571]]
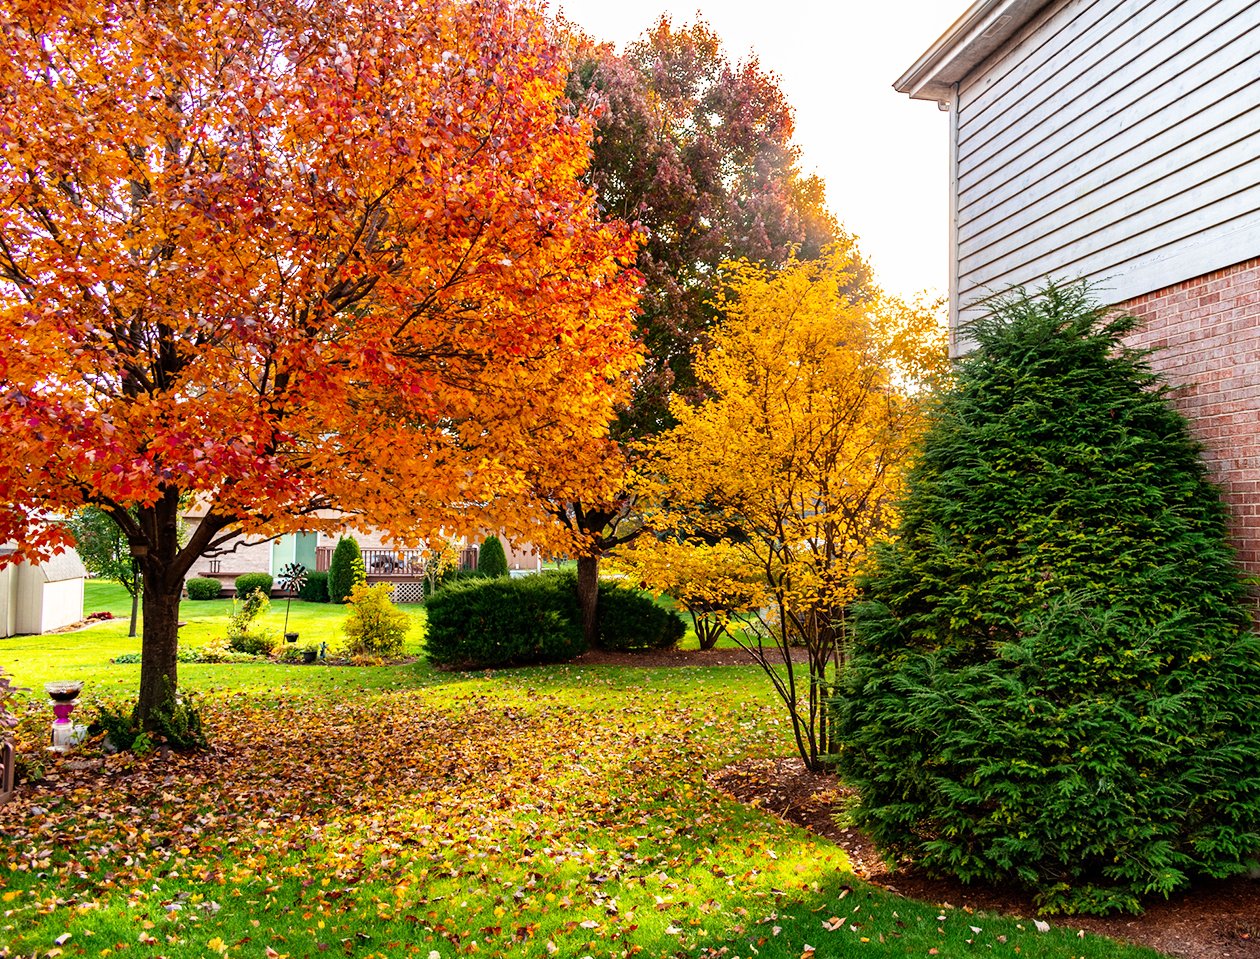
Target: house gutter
[[985, 26]]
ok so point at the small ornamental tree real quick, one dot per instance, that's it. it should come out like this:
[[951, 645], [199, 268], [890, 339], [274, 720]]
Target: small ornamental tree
[[491, 560], [342, 569], [792, 461], [1052, 679]]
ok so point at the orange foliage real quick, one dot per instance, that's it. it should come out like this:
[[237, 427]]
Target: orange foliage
[[277, 255], [281, 257]]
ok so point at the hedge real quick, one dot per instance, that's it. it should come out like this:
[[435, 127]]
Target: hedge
[[203, 587]]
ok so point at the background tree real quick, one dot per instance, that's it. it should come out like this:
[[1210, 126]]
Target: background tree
[[291, 260], [491, 560], [711, 581], [791, 462], [695, 150], [105, 552], [1052, 680]]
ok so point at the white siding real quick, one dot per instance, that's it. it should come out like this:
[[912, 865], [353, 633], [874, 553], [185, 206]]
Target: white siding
[[1112, 140]]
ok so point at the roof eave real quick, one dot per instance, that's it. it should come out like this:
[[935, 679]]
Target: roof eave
[[985, 26]]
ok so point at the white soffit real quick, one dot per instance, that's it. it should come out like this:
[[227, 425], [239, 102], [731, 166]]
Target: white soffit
[[985, 26]]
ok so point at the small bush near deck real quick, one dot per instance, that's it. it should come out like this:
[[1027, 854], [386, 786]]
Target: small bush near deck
[[343, 569], [1052, 679], [315, 589], [483, 622], [630, 620], [491, 560], [248, 582], [202, 588], [375, 626]]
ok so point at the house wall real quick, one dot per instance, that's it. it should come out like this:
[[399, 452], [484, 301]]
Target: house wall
[[1207, 334], [248, 556], [1112, 140]]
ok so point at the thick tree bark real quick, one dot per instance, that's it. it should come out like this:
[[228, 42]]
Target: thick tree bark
[[588, 597], [160, 645]]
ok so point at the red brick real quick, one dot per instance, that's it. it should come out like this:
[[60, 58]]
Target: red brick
[[1206, 333]]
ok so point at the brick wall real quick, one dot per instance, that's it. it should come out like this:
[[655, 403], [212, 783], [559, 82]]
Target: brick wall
[[1207, 334]]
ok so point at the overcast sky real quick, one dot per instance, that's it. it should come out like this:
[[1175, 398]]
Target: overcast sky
[[883, 156]]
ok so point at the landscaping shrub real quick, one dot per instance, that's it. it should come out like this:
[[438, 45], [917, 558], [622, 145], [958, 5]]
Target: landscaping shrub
[[243, 634], [1052, 679], [344, 569], [630, 620], [374, 626], [315, 589], [484, 622], [202, 588], [491, 560], [248, 582]]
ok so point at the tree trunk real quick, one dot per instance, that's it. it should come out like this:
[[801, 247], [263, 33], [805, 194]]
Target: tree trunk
[[588, 597], [135, 608], [158, 659]]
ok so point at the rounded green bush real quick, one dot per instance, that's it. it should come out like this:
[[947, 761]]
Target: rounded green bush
[[248, 582], [476, 623], [630, 620], [491, 560], [203, 587], [1052, 679], [342, 569], [315, 589]]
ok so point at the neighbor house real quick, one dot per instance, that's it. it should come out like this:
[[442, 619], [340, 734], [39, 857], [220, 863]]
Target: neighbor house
[[384, 563], [42, 597], [1119, 142]]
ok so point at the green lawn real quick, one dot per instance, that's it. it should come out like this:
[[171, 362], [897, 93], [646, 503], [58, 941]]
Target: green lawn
[[399, 811]]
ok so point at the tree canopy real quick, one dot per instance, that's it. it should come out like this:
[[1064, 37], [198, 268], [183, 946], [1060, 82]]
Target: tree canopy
[[278, 258]]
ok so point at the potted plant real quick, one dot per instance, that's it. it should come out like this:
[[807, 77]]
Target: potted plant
[[310, 652], [291, 579]]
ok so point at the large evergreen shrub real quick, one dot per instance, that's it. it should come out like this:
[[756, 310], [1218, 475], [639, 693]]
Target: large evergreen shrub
[[483, 622], [343, 568], [1052, 679], [491, 560]]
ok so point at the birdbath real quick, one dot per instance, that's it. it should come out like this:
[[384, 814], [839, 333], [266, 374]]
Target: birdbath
[[63, 696]]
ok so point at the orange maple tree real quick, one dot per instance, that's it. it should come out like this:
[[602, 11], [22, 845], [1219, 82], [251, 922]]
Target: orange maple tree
[[278, 258]]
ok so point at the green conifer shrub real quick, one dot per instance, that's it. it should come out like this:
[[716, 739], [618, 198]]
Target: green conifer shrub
[[1053, 681], [491, 560], [343, 568]]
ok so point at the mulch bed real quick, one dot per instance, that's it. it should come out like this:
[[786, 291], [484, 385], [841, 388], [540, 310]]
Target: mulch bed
[[1217, 920], [675, 657]]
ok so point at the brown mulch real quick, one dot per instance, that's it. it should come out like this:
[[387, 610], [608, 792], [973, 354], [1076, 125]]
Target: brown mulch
[[676, 657], [1217, 920]]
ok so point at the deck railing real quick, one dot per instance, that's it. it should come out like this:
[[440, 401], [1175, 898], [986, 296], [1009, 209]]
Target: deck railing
[[394, 562]]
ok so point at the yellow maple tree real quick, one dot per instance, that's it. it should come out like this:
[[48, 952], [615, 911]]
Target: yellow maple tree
[[790, 465]]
